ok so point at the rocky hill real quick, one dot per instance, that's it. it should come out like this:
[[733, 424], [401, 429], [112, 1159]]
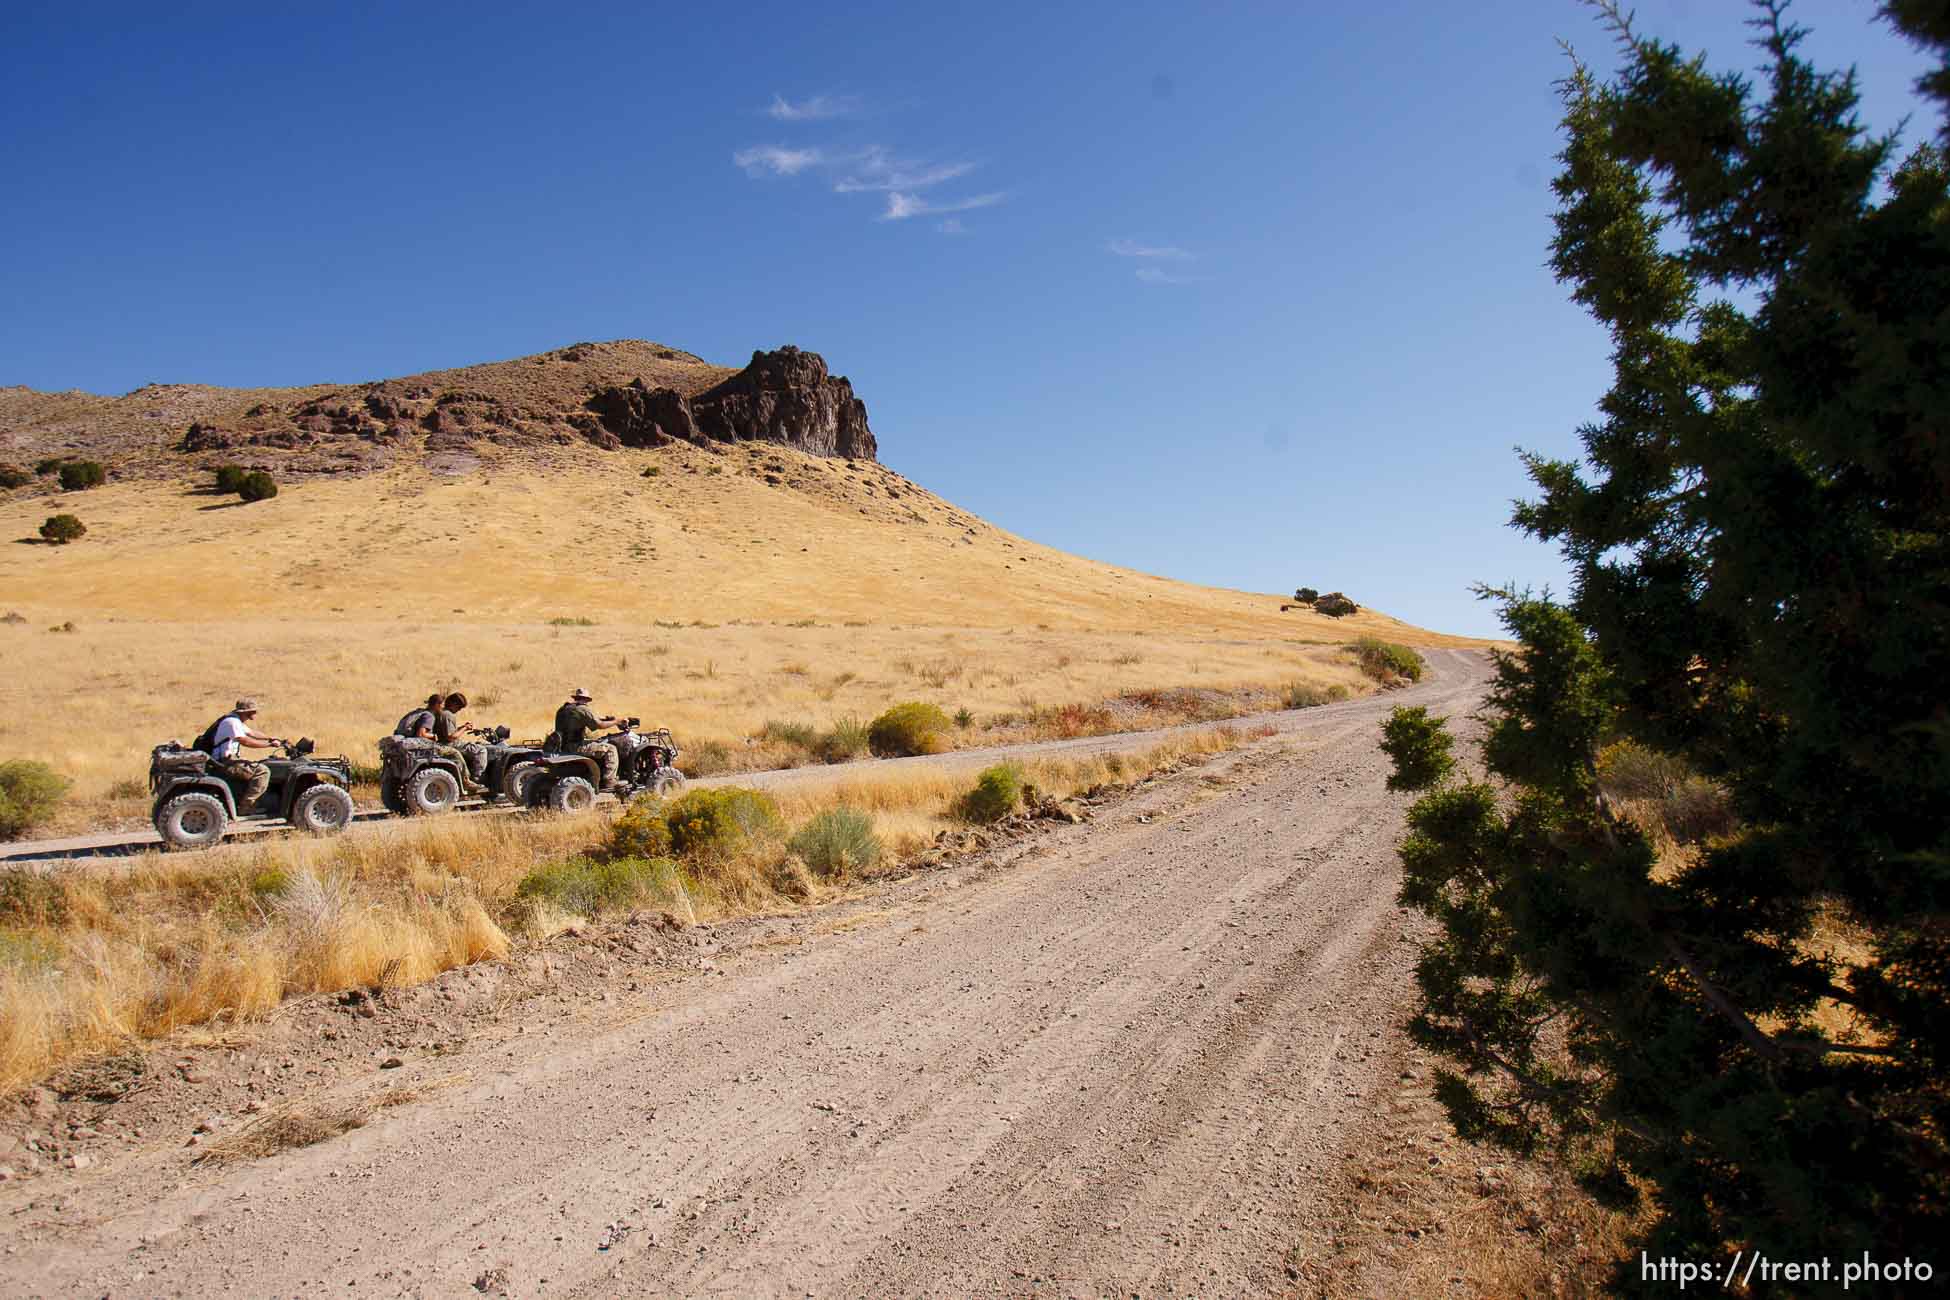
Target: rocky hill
[[629, 393]]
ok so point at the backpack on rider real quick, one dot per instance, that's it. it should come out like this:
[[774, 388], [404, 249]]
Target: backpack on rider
[[207, 741]]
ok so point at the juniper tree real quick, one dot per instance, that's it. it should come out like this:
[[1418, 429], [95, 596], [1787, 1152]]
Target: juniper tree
[[1761, 587]]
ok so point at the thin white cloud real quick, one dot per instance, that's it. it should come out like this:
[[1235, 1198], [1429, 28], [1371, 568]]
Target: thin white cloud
[[877, 170], [1152, 275], [776, 159], [902, 206], [1132, 248], [817, 109]]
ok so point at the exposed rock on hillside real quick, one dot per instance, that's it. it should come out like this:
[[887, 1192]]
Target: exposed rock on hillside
[[785, 397], [539, 409]]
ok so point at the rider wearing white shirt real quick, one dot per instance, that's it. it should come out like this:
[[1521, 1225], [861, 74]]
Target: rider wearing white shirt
[[232, 735]]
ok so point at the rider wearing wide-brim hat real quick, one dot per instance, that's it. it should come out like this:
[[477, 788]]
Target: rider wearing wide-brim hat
[[229, 736], [573, 723]]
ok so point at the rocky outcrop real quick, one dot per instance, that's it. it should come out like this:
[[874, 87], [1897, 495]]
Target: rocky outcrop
[[640, 416], [602, 395], [207, 437], [787, 397]]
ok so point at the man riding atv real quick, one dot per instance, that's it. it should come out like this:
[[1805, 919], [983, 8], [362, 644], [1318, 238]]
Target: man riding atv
[[225, 740], [433, 725], [201, 790], [573, 723], [448, 730], [565, 779]]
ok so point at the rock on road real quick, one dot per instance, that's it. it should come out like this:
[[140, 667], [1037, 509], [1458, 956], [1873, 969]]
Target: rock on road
[[1129, 1057]]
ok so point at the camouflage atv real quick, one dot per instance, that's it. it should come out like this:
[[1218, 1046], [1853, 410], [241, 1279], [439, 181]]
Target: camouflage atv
[[195, 804], [417, 781], [569, 782]]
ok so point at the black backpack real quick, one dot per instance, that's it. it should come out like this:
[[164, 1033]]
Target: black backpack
[[410, 724], [207, 742]]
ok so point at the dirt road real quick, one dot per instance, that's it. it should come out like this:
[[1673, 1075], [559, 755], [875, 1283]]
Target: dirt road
[[1132, 1056]]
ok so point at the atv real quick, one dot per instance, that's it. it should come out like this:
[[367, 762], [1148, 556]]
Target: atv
[[195, 804], [415, 780], [568, 782]]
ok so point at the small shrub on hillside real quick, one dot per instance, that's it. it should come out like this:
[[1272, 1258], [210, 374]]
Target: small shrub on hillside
[[1387, 662], [1306, 695], [258, 486], [592, 886], [28, 950], [13, 476], [77, 475], [997, 792], [51, 465], [801, 734], [837, 841], [1071, 720], [30, 791], [271, 882], [720, 822], [13, 618], [1306, 595], [59, 530], [1419, 746], [1629, 770], [652, 472], [230, 478], [1698, 810], [705, 757], [31, 900], [964, 719], [1335, 605], [572, 622], [641, 832], [1667, 793], [844, 741], [906, 729]]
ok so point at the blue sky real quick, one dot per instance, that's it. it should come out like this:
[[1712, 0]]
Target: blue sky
[[1244, 294]]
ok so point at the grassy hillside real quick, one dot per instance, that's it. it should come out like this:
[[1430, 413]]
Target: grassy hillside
[[723, 591]]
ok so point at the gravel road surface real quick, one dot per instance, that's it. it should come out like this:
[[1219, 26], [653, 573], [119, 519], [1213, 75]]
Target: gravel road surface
[[1125, 1057]]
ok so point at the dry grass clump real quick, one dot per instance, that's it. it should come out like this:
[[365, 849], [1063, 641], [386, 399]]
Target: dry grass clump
[[30, 791], [1657, 792], [838, 842], [997, 792], [1308, 695], [1387, 662], [915, 727], [301, 1125]]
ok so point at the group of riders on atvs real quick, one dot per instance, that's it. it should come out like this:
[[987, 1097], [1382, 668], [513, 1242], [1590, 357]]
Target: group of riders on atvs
[[430, 763]]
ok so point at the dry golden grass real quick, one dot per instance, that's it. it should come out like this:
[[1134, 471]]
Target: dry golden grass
[[715, 602], [90, 960], [301, 1125], [1426, 1213]]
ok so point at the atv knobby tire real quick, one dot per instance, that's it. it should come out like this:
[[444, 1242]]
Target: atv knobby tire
[[192, 821], [519, 784], [431, 791], [325, 809], [571, 794], [666, 784]]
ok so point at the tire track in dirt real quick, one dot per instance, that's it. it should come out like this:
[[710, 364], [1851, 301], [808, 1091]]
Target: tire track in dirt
[[1122, 1056]]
